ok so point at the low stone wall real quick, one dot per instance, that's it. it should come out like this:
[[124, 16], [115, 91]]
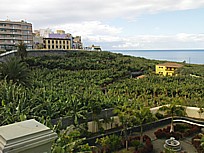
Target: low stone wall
[[131, 130], [5, 56], [192, 112]]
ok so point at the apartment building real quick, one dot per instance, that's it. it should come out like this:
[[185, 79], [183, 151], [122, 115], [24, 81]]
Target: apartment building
[[12, 32]]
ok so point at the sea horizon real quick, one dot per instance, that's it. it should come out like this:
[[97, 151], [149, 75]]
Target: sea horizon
[[194, 56]]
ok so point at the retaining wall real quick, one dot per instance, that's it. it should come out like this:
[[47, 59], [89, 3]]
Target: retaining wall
[[35, 53]]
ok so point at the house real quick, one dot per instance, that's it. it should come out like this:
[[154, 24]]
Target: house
[[95, 48], [168, 68]]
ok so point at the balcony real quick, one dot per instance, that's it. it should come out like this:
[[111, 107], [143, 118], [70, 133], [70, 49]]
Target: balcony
[[10, 38], [7, 43], [10, 27]]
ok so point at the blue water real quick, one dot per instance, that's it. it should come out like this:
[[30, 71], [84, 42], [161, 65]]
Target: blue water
[[190, 56]]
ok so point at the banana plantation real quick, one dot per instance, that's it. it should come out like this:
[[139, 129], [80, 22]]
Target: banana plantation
[[80, 82]]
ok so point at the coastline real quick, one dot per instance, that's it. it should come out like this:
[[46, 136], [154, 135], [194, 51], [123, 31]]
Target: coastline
[[188, 56]]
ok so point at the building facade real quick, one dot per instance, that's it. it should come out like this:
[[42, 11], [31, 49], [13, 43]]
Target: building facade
[[167, 69], [77, 43], [56, 43], [12, 32]]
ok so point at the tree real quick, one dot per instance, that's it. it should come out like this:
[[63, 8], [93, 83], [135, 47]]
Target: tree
[[173, 109], [21, 50], [125, 114], [142, 115], [16, 71]]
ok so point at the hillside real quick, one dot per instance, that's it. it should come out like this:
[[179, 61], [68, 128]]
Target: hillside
[[87, 81]]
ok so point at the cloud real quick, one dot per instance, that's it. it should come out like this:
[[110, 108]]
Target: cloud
[[88, 18], [93, 32], [89, 28], [46, 12], [178, 41], [110, 37]]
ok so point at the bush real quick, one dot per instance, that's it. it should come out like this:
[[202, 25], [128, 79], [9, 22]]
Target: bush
[[181, 130], [110, 143], [159, 115], [115, 142], [135, 144]]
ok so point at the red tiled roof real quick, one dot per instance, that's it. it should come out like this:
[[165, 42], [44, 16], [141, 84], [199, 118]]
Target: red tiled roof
[[169, 64]]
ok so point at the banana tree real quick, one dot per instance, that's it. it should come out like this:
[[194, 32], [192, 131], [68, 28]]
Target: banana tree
[[125, 114]]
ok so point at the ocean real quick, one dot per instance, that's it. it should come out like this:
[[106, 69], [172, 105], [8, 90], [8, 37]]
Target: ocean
[[189, 56]]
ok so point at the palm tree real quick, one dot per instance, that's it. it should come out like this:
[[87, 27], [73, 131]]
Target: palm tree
[[142, 115], [16, 71], [173, 109], [21, 50]]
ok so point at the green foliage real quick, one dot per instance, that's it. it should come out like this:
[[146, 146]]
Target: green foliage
[[69, 141], [91, 81], [173, 109], [136, 144], [16, 71], [21, 50], [81, 82], [111, 143], [14, 106]]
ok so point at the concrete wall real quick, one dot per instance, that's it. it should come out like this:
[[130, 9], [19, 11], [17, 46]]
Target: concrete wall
[[192, 112], [34, 53], [45, 148]]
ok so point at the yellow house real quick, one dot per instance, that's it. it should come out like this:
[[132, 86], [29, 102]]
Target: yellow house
[[167, 68]]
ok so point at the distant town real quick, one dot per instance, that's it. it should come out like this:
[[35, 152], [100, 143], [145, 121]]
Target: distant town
[[13, 32]]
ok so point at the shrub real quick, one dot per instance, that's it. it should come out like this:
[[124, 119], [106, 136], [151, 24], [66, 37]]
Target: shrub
[[182, 130], [115, 142], [135, 144], [159, 115]]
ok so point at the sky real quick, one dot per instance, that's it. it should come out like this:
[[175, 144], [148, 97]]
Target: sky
[[116, 24]]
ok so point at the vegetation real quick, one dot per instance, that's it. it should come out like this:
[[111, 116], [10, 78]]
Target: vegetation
[[16, 71], [198, 142], [131, 114], [21, 50], [173, 109], [80, 82], [69, 141]]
